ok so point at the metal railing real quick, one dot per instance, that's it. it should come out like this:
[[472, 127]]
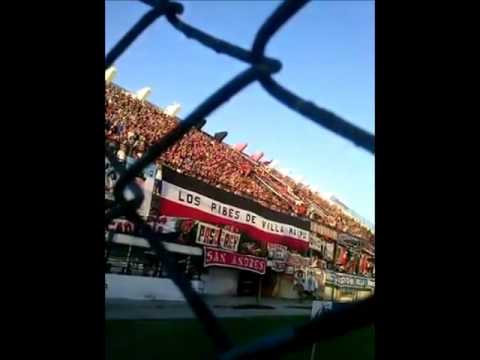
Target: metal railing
[[261, 69]]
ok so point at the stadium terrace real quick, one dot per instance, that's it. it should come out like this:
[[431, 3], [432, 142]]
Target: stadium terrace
[[234, 224]]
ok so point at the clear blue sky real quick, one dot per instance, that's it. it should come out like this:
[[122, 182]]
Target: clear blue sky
[[327, 52]]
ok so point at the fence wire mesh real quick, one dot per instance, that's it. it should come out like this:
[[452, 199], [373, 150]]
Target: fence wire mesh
[[261, 68]]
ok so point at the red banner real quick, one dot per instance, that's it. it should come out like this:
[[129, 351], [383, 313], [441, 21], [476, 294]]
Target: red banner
[[215, 257]]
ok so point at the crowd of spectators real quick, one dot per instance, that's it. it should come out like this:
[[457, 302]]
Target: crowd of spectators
[[133, 125], [329, 214], [199, 155]]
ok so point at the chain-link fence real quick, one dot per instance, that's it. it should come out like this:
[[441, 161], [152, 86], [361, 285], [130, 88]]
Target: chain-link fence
[[129, 196]]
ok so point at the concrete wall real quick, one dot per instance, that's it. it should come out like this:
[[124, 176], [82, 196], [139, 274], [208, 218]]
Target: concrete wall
[[143, 288], [363, 294], [221, 281]]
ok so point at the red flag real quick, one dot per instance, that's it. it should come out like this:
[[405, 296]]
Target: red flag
[[240, 147], [246, 169], [342, 256], [257, 156]]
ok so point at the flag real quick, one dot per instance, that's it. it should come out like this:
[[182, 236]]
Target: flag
[[342, 256], [240, 147], [257, 156], [219, 136]]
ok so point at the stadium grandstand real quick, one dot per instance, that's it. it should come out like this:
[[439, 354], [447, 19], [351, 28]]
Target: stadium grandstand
[[324, 229], [133, 125]]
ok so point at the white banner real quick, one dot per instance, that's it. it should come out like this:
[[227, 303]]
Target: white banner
[[278, 266], [342, 280], [207, 234], [317, 243], [277, 252], [197, 201], [147, 187], [371, 283], [331, 277], [329, 247], [229, 240]]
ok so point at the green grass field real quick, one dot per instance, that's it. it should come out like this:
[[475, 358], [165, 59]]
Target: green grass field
[[184, 339]]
